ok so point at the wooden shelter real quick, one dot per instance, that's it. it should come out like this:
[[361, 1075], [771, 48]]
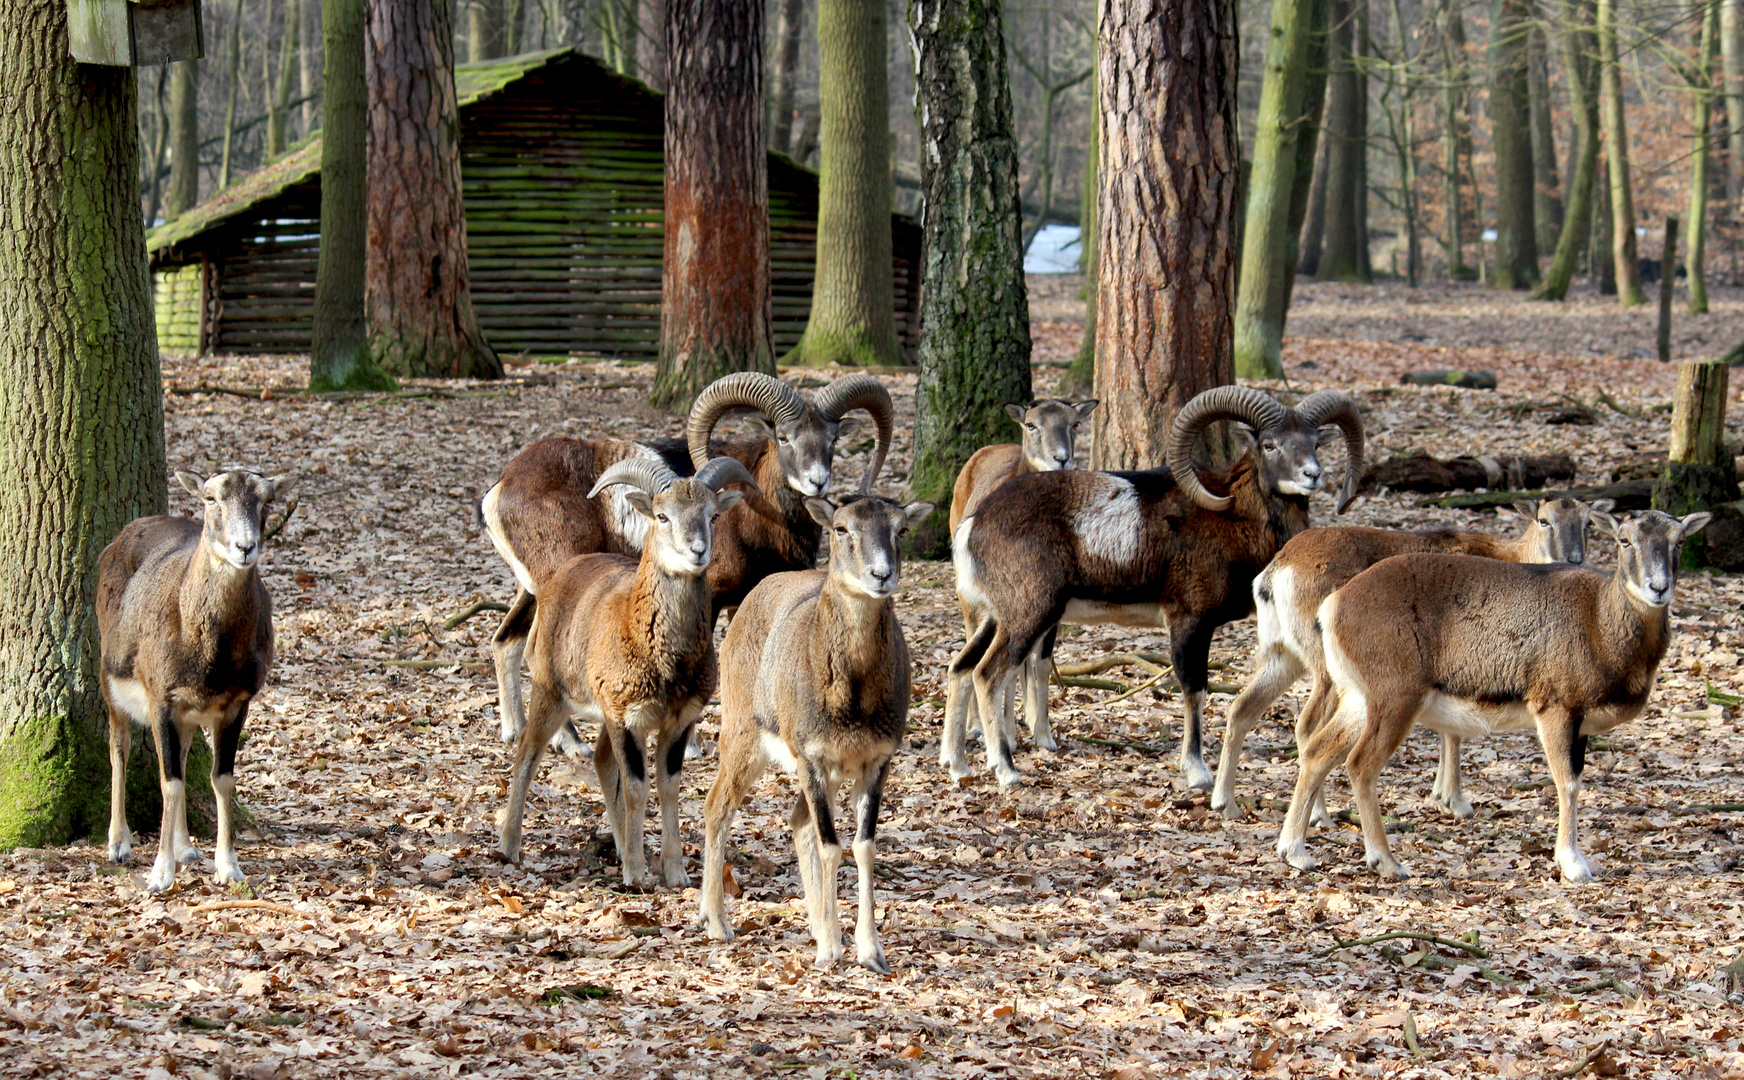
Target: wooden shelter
[[562, 168]]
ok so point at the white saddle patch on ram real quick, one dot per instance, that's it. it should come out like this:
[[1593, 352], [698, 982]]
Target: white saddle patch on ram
[[626, 521], [1111, 524]]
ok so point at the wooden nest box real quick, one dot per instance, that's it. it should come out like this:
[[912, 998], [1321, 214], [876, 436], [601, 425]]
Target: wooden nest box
[[133, 33]]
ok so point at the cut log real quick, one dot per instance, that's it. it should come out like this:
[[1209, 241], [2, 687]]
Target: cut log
[[1423, 473], [1699, 473], [1465, 380]]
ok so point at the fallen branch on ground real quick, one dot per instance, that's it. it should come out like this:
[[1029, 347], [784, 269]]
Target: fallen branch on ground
[[472, 609], [1413, 935], [1581, 1066], [284, 519], [435, 664], [1608, 983], [262, 905], [1121, 744]]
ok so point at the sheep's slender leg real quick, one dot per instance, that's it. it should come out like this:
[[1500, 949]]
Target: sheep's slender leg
[[973, 727], [805, 846], [508, 647], [611, 780], [814, 787], [1190, 649], [1448, 791], [1035, 691], [186, 853], [868, 793], [120, 748], [1318, 754], [670, 753], [992, 680], [546, 713], [634, 807], [742, 763], [170, 783], [1389, 721], [1276, 670], [1322, 703], [960, 698], [1565, 752], [229, 871]]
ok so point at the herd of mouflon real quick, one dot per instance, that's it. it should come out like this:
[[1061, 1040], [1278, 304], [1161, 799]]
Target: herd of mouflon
[[627, 553]]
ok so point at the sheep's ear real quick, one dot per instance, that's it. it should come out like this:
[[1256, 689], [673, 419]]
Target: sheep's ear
[[726, 500], [847, 427], [1245, 435], [1601, 505], [820, 510], [1694, 522], [1015, 411], [192, 484], [1526, 508], [1085, 408], [916, 512], [1605, 523], [641, 500], [282, 485]]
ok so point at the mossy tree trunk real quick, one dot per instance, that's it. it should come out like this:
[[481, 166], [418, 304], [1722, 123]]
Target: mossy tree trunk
[[974, 316], [1080, 378], [1166, 259], [853, 300], [1511, 134], [715, 287], [1266, 252], [339, 358], [184, 187], [417, 291], [1308, 156], [1616, 134], [1696, 238], [484, 30], [278, 117], [1344, 250], [81, 403], [1578, 44]]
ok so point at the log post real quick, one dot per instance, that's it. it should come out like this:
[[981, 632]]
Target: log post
[[1699, 474], [1667, 279]]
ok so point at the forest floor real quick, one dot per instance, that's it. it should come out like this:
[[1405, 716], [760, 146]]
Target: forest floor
[[1098, 921]]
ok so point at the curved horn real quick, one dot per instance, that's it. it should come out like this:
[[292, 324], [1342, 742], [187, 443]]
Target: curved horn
[[717, 473], [861, 392], [645, 473], [1332, 407], [1252, 407], [745, 389]]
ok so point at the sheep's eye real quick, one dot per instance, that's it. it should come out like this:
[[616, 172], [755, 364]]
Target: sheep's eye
[[1269, 447], [662, 519], [1542, 524], [841, 531]]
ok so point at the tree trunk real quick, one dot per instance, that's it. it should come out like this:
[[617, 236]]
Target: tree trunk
[[1080, 378], [417, 292], [1617, 155], [653, 43], [1511, 134], [160, 143], [184, 187], [339, 358], [1696, 242], [1266, 251], [1455, 139], [784, 84], [714, 292], [307, 35], [1601, 246], [484, 30], [1312, 241], [1732, 62], [235, 69], [1308, 156], [279, 111], [1343, 256], [975, 346], [853, 300], [1577, 52], [1547, 208], [1170, 164], [81, 402]]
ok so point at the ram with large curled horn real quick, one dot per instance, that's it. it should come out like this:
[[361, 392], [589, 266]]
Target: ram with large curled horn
[[540, 514], [1179, 546]]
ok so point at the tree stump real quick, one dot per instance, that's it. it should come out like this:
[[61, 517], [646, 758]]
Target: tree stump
[[1699, 473]]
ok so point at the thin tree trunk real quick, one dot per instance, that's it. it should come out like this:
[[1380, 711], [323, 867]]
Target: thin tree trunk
[[1313, 235], [235, 68], [418, 300], [81, 403], [1578, 44], [484, 30], [1308, 144], [160, 143], [853, 302], [784, 83], [1265, 255], [1547, 208], [1080, 378], [1511, 135], [278, 113], [1601, 247], [307, 35], [975, 345], [514, 14], [1616, 134], [184, 188], [715, 291], [339, 358], [1343, 256], [1455, 138], [1696, 240], [1170, 164], [653, 43], [1732, 62], [1402, 129]]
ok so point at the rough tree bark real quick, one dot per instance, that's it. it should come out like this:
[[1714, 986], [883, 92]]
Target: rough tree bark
[[853, 300], [1266, 252], [1511, 134], [417, 291], [1547, 207], [714, 290], [975, 346], [184, 187], [784, 78], [81, 403], [1616, 136], [1578, 44], [1344, 247], [339, 358], [1170, 163]]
